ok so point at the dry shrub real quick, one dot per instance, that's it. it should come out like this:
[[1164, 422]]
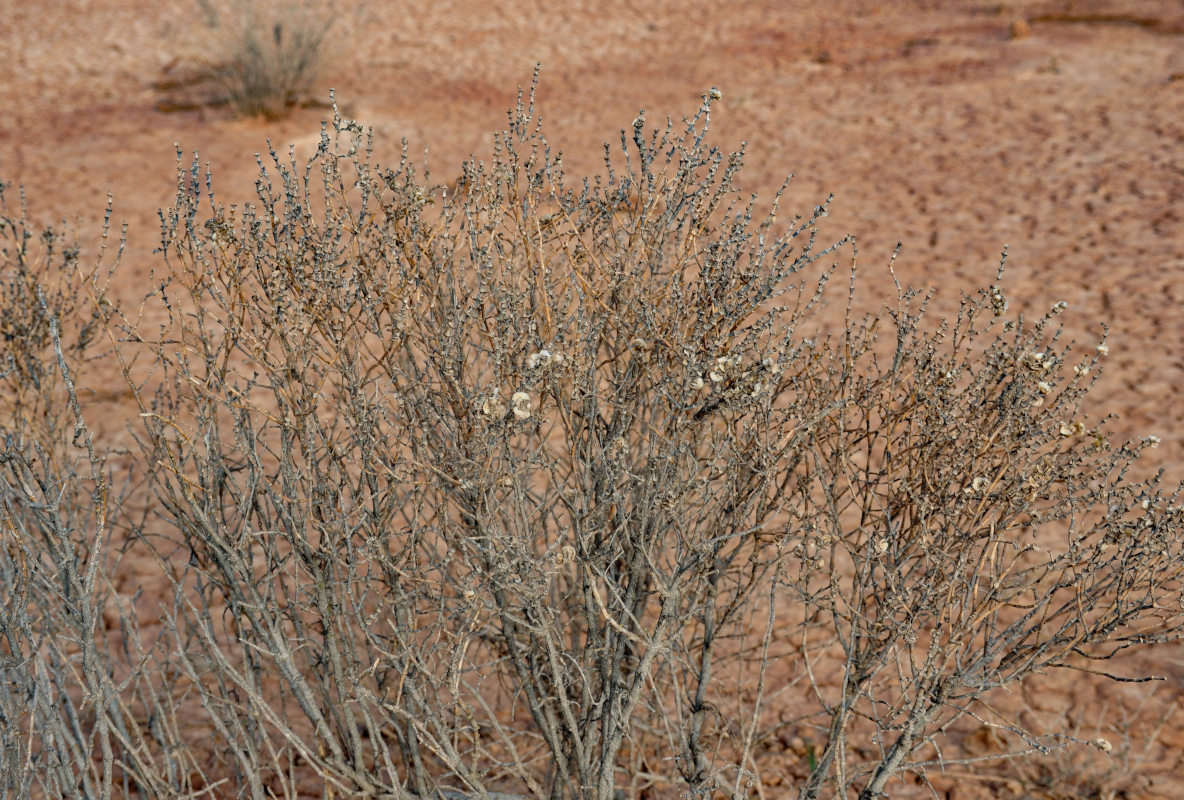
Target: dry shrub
[[553, 489], [59, 712], [263, 56]]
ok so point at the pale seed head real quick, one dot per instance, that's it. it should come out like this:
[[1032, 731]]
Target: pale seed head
[[520, 402], [492, 406]]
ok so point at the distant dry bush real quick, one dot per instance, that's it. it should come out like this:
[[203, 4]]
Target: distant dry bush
[[549, 489], [263, 56]]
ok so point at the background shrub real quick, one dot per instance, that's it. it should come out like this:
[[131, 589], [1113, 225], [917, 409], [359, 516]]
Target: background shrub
[[534, 488], [264, 56]]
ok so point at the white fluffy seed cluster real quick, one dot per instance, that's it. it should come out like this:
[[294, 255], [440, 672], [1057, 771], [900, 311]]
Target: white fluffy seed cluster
[[492, 407], [978, 485], [544, 359], [521, 405]]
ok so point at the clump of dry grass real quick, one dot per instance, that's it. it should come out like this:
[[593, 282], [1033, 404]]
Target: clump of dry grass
[[263, 56], [542, 488]]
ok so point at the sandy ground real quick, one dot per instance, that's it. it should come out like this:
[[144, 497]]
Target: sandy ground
[[1055, 128]]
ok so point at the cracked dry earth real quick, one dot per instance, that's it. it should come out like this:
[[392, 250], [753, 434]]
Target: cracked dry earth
[[1055, 128]]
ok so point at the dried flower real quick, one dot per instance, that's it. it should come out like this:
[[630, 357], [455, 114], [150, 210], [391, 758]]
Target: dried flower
[[492, 406], [1058, 308], [1075, 428], [1036, 362], [1081, 370], [722, 365], [977, 485], [520, 402], [1103, 745], [1044, 386], [543, 359], [1152, 442], [998, 302], [1103, 349], [715, 94]]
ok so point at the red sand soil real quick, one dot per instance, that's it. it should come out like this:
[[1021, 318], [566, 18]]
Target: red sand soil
[[955, 127]]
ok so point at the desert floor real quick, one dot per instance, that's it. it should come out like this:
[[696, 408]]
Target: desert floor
[[1055, 128]]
